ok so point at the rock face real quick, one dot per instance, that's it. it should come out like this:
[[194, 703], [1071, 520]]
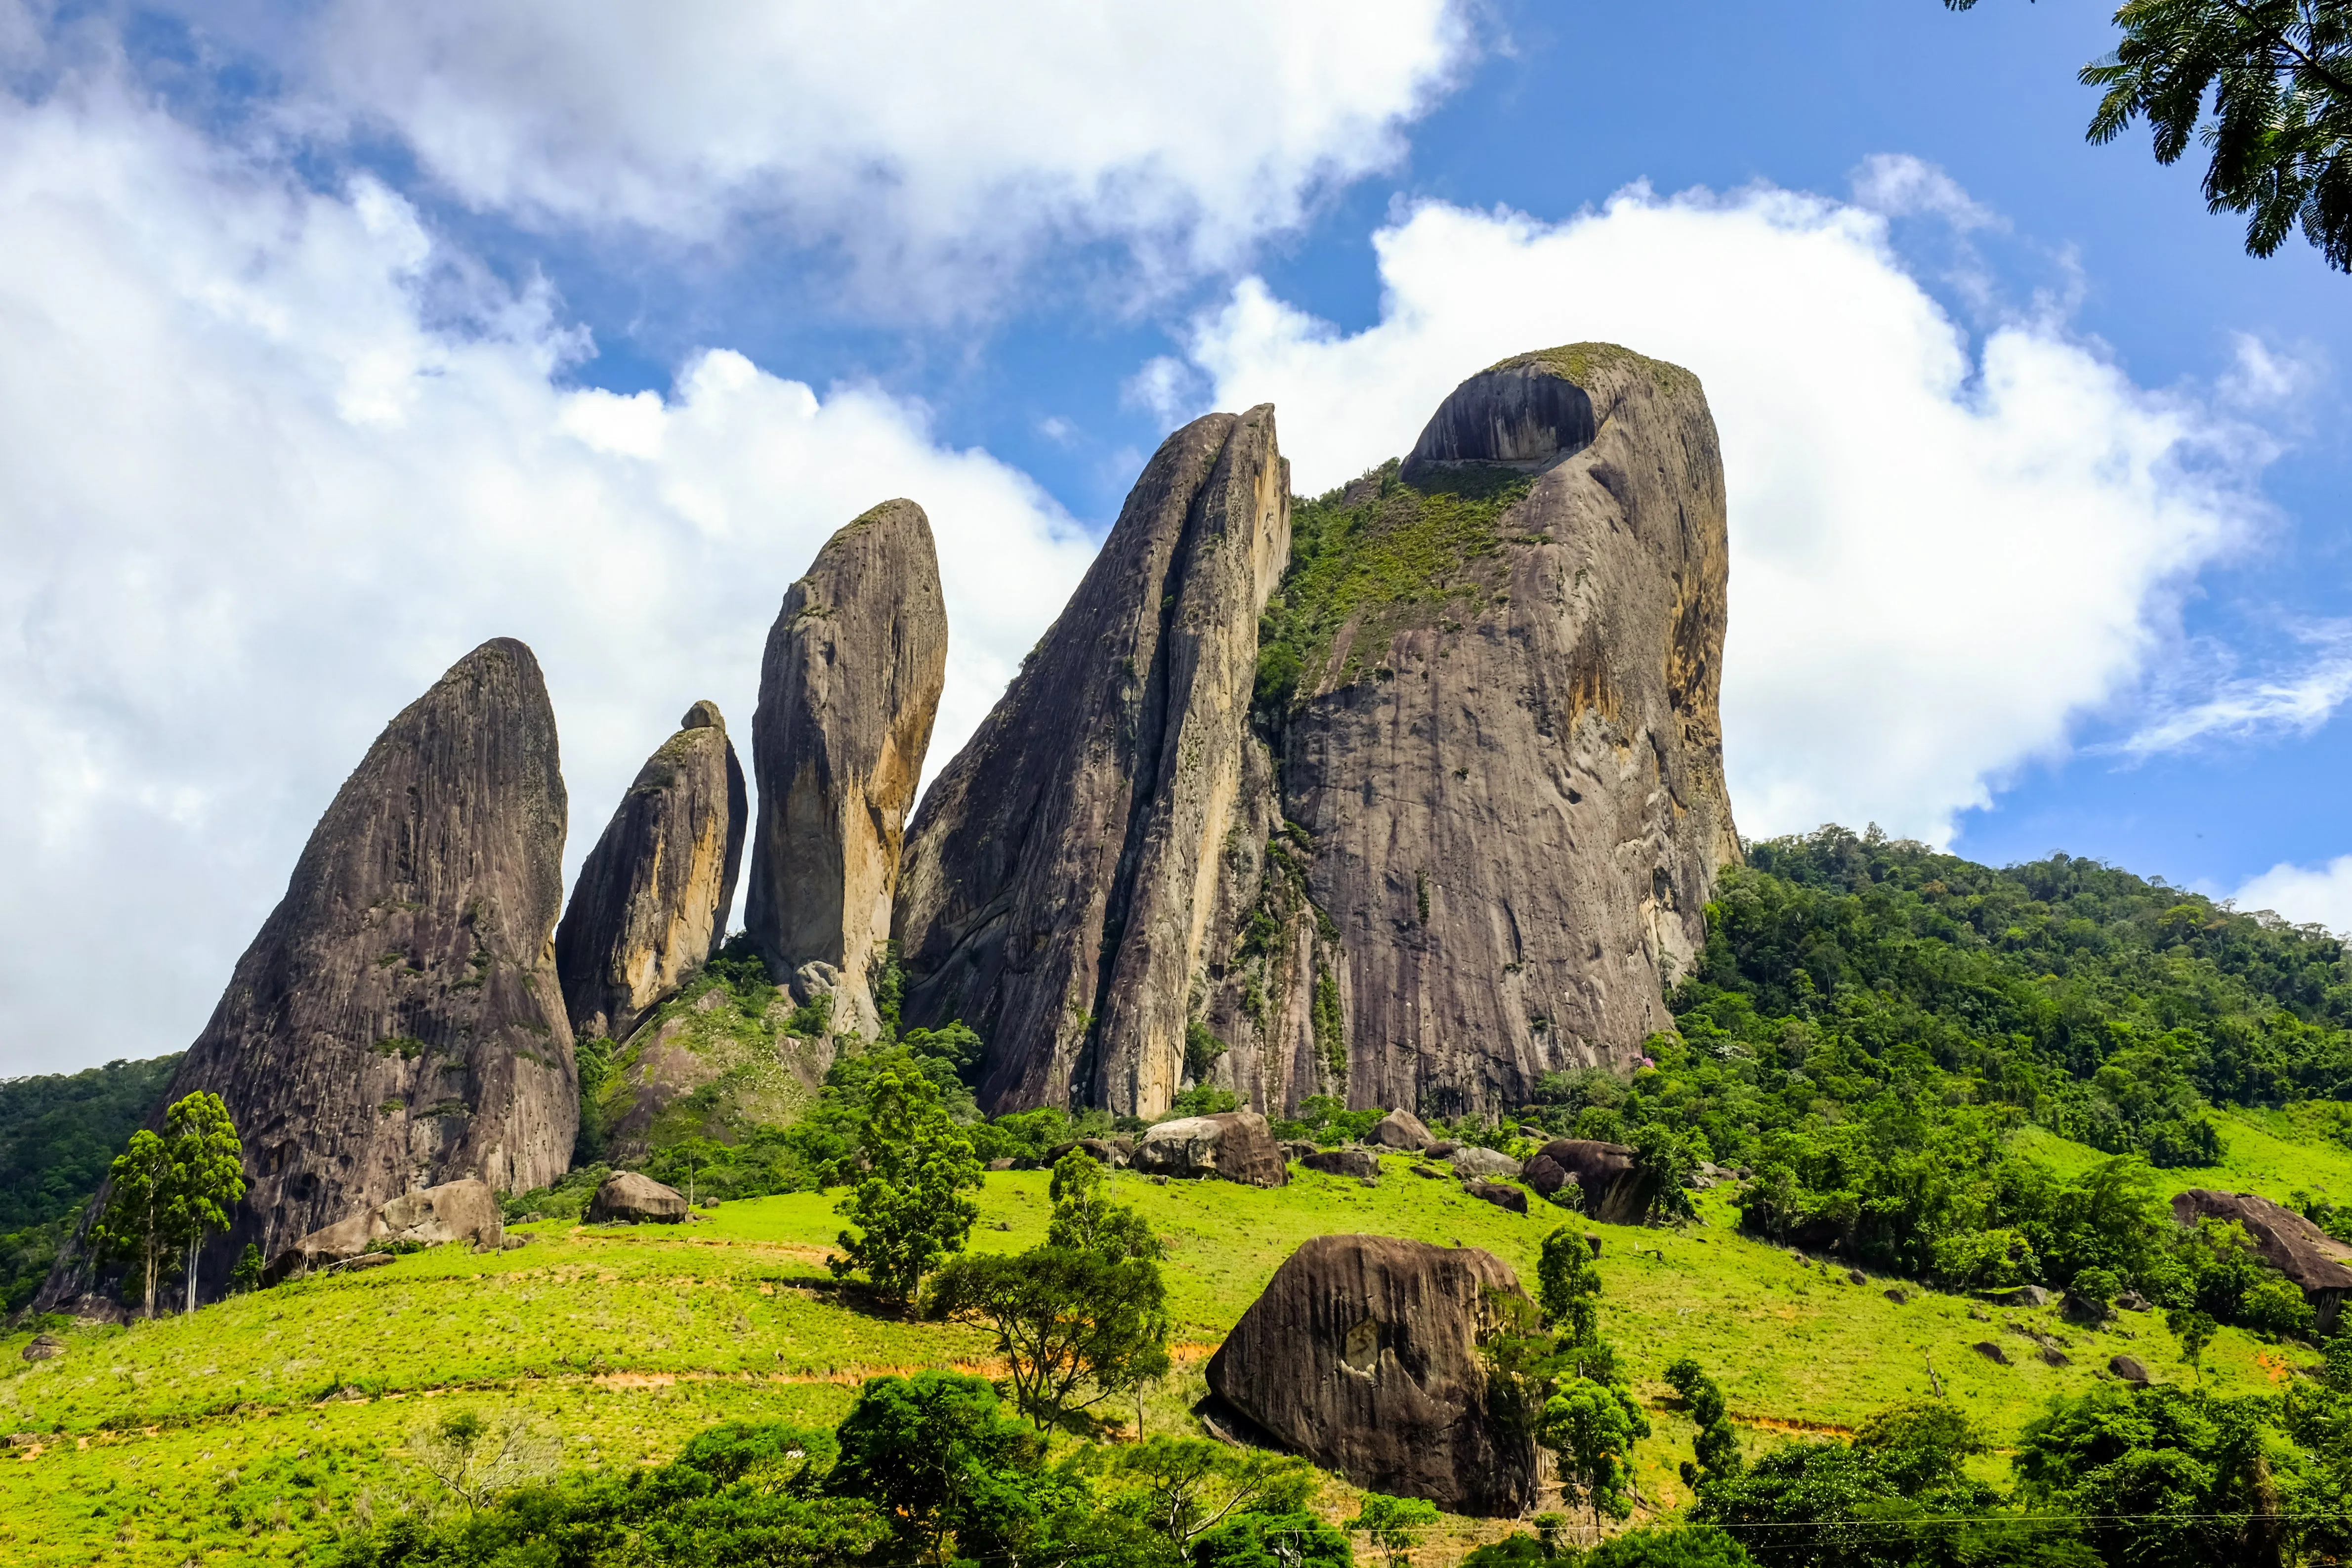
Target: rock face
[[1071, 873], [1362, 1354], [1235, 1146], [848, 689], [627, 1197], [397, 1023], [651, 903], [1610, 1189], [1501, 792], [2288, 1242], [455, 1211]]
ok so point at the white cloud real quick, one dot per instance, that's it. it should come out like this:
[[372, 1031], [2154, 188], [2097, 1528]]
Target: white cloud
[[1939, 559], [938, 141], [2308, 895], [255, 504], [1900, 185], [2300, 700]]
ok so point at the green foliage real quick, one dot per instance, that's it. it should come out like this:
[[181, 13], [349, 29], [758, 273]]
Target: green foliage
[[1567, 1284], [246, 1275], [166, 1193], [567, 1199], [1716, 1450], [1085, 1220], [1686, 1546], [57, 1134], [910, 1204], [1394, 1523], [1260, 1540], [1591, 1427], [1188, 1491], [1203, 1099], [136, 1226], [939, 1459], [1326, 1119], [1201, 1050], [595, 1060]]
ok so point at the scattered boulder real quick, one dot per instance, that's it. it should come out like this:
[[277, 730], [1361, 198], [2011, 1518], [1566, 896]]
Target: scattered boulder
[[1233, 1145], [2053, 1356], [1608, 1188], [45, 1347], [1502, 1195], [1856, 1276], [1298, 1148], [1099, 844], [1432, 1172], [1487, 1164], [631, 1199], [2132, 1301], [2289, 1243], [1399, 1130], [848, 686], [1002, 1162], [2083, 1310], [1896, 1294], [1350, 1162], [433, 1216], [1441, 1149], [93, 1310], [650, 905], [2018, 1296], [1362, 1354], [1990, 1352], [2128, 1368], [397, 1022]]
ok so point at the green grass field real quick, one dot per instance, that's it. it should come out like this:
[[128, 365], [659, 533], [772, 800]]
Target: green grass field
[[258, 1430]]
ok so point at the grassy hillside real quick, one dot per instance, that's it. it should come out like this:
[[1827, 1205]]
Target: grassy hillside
[[258, 1430]]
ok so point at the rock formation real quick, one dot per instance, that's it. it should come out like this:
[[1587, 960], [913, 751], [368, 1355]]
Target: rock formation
[[625, 1197], [1071, 873], [1399, 1130], [848, 688], [397, 1023], [454, 1211], [1608, 1186], [1490, 683], [2289, 1243], [1362, 1354], [651, 903], [1361, 1163], [750, 1072], [1234, 1146]]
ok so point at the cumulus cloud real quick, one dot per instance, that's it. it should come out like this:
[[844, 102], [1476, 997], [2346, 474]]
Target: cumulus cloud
[[1943, 555], [275, 458], [918, 138], [2308, 895]]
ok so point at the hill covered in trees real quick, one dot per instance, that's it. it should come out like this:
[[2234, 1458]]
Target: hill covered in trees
[[58, 1132]]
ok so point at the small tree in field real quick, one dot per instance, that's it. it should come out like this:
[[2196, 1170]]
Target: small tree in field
[[911, 1202], [135, 1227], [207, 1173], [1394, 1523]]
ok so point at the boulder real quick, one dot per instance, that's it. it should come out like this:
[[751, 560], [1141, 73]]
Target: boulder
[[1100, 1151], [1362, 1354], [1002, 1162], [1501, 1195], [1097, 847], [2128, 1368], [628, 1198], [2018, 1296], [2052, 1356], [2131, 1302], [1441, 1147], [1856, 1276], [1501, 801], [1896, 1294], [1298, 1148], [1990, 1352], [2289, 1243], [2083, 1310], [45, 1347], [848, 686], [1487, 1164], [651, 901], [1361, 1163], [1610, 1189], [1233, 1145], [455, 1211], [398, 1021], [1399, 1130]]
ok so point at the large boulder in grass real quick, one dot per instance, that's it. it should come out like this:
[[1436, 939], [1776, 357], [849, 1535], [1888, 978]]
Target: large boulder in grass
[[1362, 1354], [1399, 1130], [1233, 1145], [1474, 1164], [631, 1199], [1358, 1163], [454, 1211], [2289, 1243], [1608, 1188]]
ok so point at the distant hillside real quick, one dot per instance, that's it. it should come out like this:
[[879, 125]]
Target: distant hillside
[[57, 1133]]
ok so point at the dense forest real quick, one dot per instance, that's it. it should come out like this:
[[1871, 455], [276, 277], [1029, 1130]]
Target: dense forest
[[57, 1134]]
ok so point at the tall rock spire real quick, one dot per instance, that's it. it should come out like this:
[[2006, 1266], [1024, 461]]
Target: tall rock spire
[[1065, 879], [652, 900], [397, 1022], [848, 688]]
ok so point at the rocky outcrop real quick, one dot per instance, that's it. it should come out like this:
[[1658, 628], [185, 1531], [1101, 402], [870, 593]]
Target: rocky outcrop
[[1362, 1354], [1079, 864], [397, 1023], [1361, 1163], [651, 902], [1487, 1164], [704, 1066], [1607, 1186], [2289, 1243], [1501, 1195], [1399, 1130], [454, 1211], [625, 1198], [848, 688], [1234, 1146], [1490, 688]]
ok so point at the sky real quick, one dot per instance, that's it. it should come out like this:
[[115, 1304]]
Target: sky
[[338, 337]]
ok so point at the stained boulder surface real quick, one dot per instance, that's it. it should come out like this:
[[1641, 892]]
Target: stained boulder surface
[[2315, 1260], [1233, 1146], [1608, 1186], [454, 1211], [651, 901], [1070, 877], [627, 1198], [1362, 1354], [397, 1023], [848, 688], [1488, 689]]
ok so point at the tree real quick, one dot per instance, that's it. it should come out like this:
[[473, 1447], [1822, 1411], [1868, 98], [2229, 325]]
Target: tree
[[910, 1203], [1663, 1159], [1185, 1488], [1592, 1427], [246, 1275], [1394, 1523], [935, 1452], [474, 1460], [1567, 1283], [2266, 84], [1064, 1319], [1716, 1448], [2194, 1330], [136, 1226], [1085, 1220], [208, 1174]]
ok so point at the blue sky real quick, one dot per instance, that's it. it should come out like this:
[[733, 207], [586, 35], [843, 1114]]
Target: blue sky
[[341, 336]]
